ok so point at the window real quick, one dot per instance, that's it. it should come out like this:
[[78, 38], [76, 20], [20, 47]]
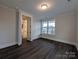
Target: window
[[48, 27], [51, 27], [44, 27]]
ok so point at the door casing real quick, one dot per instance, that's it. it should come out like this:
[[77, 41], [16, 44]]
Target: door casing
[[19, 29]]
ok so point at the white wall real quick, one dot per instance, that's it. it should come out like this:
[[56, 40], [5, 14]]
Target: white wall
[[8, 31], [35, 28], [7, 26], [66, 28]]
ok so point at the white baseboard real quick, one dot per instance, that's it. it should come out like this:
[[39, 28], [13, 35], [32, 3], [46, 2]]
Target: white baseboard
[[72, 43], [7, 44], [34, 37]]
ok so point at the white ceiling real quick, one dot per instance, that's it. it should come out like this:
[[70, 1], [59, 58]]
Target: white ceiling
[[32, 6]]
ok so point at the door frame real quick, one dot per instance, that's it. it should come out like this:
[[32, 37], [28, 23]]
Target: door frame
[[19, 34]]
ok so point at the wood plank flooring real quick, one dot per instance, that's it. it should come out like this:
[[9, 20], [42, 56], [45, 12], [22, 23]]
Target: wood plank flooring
[[40, 49]]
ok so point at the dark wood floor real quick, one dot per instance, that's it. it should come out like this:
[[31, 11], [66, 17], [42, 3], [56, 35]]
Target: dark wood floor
[[40, 49]]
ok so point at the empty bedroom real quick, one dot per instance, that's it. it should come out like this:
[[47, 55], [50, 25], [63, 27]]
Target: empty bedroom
[[38, 29]]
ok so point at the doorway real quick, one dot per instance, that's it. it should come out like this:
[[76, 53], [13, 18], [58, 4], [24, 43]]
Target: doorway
[[26, 28]]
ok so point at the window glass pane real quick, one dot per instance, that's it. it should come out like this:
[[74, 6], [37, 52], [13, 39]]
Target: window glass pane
[[53, 31], [44, 30], [44, 27], [50, 30], [51, 27], [51, 23], [44, 24]]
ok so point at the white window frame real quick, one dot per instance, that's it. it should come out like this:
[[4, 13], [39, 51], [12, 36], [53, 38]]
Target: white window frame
[[47, 27]]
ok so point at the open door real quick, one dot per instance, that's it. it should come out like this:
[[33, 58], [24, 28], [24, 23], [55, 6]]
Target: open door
[[26, 27], [29, 28]]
